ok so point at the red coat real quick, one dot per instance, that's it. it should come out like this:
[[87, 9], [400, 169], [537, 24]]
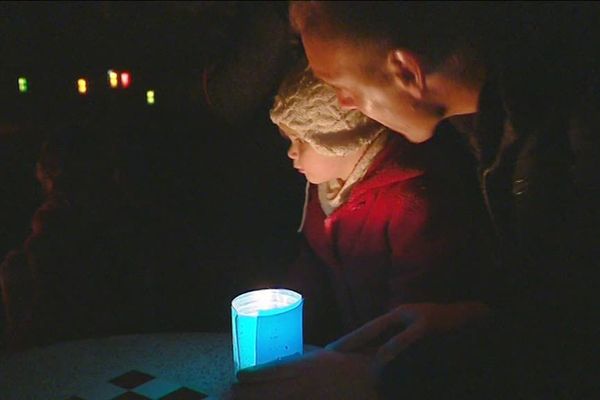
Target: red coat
[[400, 237]]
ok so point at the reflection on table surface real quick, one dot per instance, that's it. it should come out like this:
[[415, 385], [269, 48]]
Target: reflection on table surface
[[98, 369]]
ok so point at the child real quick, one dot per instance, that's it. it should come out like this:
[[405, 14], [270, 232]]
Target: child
[[380, 229]]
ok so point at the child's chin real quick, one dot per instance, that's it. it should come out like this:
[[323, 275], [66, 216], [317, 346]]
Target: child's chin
[[314, 181]]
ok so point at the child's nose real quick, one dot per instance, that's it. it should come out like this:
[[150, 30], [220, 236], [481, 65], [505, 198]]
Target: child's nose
[[293, 151]]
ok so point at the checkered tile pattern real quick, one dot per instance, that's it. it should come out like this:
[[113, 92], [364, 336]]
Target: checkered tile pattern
[[137, 385]]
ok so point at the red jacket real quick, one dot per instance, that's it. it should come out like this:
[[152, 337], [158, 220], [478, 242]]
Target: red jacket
[[400, 237]]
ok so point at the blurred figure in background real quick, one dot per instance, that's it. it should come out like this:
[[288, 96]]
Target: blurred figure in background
[[98, 262], [55, 285]]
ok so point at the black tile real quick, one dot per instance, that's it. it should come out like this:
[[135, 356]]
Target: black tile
[[184, 394], [131, 379], [131, 396]]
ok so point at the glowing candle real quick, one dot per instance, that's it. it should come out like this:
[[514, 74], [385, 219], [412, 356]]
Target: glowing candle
[[266, 326]]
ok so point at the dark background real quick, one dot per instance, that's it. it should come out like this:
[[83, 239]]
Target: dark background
[[227, 180]]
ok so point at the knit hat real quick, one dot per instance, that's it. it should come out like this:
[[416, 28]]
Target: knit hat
[[310, 108]]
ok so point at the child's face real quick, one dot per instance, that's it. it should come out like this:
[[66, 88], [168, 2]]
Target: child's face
[[317, 167]]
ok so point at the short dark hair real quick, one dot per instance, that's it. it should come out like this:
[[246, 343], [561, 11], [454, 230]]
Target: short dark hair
[[432, 30]]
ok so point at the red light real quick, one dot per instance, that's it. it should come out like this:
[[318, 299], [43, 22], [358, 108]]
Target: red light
[[125, 79]]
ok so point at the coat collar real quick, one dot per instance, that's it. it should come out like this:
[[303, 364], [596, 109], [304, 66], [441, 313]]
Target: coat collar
[[395, 163]]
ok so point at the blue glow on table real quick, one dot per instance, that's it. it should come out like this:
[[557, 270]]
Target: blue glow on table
[[266, 326]]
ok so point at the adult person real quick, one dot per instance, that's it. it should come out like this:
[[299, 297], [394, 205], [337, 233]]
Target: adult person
[[384, 223], [531, 99]]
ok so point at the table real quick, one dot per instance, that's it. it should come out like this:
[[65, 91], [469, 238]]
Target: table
[[154, 366]]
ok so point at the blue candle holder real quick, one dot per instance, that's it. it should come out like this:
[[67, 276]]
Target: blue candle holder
[[266, 326]]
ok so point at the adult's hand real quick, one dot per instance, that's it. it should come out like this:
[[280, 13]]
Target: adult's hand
[[319, 374], [414, 321]]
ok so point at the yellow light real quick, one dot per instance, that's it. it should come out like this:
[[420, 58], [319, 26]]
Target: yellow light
[[113, 78], [81, 86], [23, 86], [150, 97]]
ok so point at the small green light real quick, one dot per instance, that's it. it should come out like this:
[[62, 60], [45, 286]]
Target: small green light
[[23, 85], [150, 97]]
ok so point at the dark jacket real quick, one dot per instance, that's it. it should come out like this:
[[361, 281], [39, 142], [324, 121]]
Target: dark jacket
[[537, 143], [538, 147]]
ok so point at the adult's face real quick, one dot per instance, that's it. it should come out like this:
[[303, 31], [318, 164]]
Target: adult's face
[[363, 80]]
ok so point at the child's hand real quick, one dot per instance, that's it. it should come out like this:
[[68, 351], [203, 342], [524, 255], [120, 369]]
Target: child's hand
[[415, 322]]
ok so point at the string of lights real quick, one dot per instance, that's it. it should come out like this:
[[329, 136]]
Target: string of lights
[[115, 79]]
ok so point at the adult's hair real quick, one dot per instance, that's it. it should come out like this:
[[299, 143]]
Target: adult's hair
[[432, 30]]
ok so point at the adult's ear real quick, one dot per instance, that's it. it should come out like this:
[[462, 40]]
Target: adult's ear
[[407, 72]]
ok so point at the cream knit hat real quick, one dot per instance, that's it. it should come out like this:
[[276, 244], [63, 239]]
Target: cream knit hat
[[310, 109]]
